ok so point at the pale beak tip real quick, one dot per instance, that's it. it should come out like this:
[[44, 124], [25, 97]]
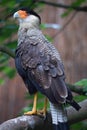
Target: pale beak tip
[[16, 15]]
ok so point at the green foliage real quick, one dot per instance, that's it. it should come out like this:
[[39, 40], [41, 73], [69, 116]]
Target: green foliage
[[80, 98], [82, 83], [5, 69], [2, 81], [76, 3], [40, 102], [10, 72], [79, 126]]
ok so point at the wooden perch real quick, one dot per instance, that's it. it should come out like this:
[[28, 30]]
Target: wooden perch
[[39, 123]]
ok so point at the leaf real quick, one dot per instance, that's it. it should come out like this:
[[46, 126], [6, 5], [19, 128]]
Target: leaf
[[50, 39], [77, 126], [82, 83], [3, 58], [80, 98], [2, 68], [42, 26], [2, 81], [12, 45], [28, 96], [76, 3], [10, 72]]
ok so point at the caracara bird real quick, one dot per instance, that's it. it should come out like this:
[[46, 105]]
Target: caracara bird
[[39, 64]]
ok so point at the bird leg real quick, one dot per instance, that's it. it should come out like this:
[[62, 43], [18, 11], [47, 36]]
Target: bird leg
[[44, 110], [34, 109]]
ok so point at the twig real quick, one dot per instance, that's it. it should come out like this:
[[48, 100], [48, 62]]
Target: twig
[[7, 51], [65, 25], [76, 8]]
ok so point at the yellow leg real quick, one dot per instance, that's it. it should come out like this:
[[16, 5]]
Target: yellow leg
[[34, 109], [44, 110]]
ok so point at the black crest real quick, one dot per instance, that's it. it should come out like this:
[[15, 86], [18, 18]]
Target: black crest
[[30, 11]]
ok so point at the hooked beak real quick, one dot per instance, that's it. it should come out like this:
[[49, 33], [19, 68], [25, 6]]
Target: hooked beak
[[16, 15]]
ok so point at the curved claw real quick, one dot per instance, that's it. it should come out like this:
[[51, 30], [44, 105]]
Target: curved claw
[[44, 110], [33, 112], [41, 112]]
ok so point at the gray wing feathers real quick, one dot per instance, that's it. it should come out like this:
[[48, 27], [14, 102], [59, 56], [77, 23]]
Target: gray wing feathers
[[45, 63]]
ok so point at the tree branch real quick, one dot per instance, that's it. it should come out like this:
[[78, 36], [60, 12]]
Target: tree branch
[[7, 51], [75, 116], [77, 89], [36, 122], [84, 8], [65, 25]]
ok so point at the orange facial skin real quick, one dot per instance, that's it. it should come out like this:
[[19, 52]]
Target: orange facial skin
[[23, 14]]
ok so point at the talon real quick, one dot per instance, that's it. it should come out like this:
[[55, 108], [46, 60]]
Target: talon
[[41, 112], [30, 113], [44, 110], [34, 110]]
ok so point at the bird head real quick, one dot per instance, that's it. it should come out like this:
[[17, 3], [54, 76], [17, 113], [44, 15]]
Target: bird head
[[27, 16]]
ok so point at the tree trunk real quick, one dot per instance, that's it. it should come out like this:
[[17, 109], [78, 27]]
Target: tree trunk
[[43, 123]]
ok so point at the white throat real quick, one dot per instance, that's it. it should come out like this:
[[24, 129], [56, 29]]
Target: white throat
[[30, 22]]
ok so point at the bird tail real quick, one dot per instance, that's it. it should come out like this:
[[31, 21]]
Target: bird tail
[[59, 117], [75, 105], [72, 102]]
